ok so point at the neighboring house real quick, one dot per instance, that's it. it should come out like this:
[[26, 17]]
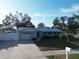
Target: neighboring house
[[48, 33]]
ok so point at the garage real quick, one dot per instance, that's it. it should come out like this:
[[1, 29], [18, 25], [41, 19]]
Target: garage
[[27, 33]]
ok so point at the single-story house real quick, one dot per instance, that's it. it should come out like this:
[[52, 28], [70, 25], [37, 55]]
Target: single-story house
[[30, 33], [48, 33], [27, 33], [20, 34]]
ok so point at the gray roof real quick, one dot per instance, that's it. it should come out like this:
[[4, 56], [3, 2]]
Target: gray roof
[[49, 30]]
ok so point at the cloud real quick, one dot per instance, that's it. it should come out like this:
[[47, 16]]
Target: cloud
[[46, 15], [73, 8], [62, 12], [37, 14]]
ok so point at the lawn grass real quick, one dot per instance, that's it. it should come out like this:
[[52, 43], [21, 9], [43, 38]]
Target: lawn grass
[[50, 44], [56, 44], [75, 42], [72, 56]]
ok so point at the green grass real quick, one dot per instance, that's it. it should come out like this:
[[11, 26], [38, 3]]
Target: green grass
[[75, 42], [55, 44], [51, 44], [72, 56]]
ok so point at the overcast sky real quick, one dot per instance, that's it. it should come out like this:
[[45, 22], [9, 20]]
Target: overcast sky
[[39, 10]]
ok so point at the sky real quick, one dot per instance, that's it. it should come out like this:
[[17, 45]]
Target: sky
[[41, 11]]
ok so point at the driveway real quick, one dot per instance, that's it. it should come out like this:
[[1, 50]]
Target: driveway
[[20, 50]]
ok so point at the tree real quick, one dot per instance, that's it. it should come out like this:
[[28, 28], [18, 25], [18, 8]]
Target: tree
[[68, 25], [10, 20], [18, 20], [25, 21], [41, 25], [71, 26], [63, 20], [56, 23], [7, 22]]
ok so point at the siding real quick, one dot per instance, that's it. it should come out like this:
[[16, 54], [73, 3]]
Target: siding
[[8, 36]]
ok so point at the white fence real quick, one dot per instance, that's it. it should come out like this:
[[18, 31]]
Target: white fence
[[9, 36]]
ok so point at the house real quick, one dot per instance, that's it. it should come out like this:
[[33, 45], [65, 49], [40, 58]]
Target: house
[[25, 30], [24, 33], [27, 33], [48, 33]]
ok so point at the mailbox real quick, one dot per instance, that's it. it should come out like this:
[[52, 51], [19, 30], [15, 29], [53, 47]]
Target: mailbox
[[68, 49]]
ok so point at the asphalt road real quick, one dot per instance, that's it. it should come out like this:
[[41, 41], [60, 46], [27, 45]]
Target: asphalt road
[[59, 52]]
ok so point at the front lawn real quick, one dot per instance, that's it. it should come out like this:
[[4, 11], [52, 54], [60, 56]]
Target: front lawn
[[72, 56], [56, 44], [75, 43], [51, 44]]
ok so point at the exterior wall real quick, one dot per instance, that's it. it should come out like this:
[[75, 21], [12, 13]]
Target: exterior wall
[[21, 34], [9, 36], [25, 37], [34, 34], [27, 33], [48, 34]]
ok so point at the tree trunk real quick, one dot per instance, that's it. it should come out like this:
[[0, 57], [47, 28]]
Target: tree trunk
[[67, 37]]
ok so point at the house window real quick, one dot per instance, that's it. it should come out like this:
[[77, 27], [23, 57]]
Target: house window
[[49, 33], [53, 34], [56, 34]]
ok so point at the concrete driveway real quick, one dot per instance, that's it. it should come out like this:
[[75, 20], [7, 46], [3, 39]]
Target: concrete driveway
[[20, 50]]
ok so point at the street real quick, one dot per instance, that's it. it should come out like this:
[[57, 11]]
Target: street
[[59, 52]]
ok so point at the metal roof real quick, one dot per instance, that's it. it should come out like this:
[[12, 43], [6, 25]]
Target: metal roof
[[49, 30]]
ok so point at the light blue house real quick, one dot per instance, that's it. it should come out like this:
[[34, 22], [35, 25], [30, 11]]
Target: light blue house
[[25, 33]]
